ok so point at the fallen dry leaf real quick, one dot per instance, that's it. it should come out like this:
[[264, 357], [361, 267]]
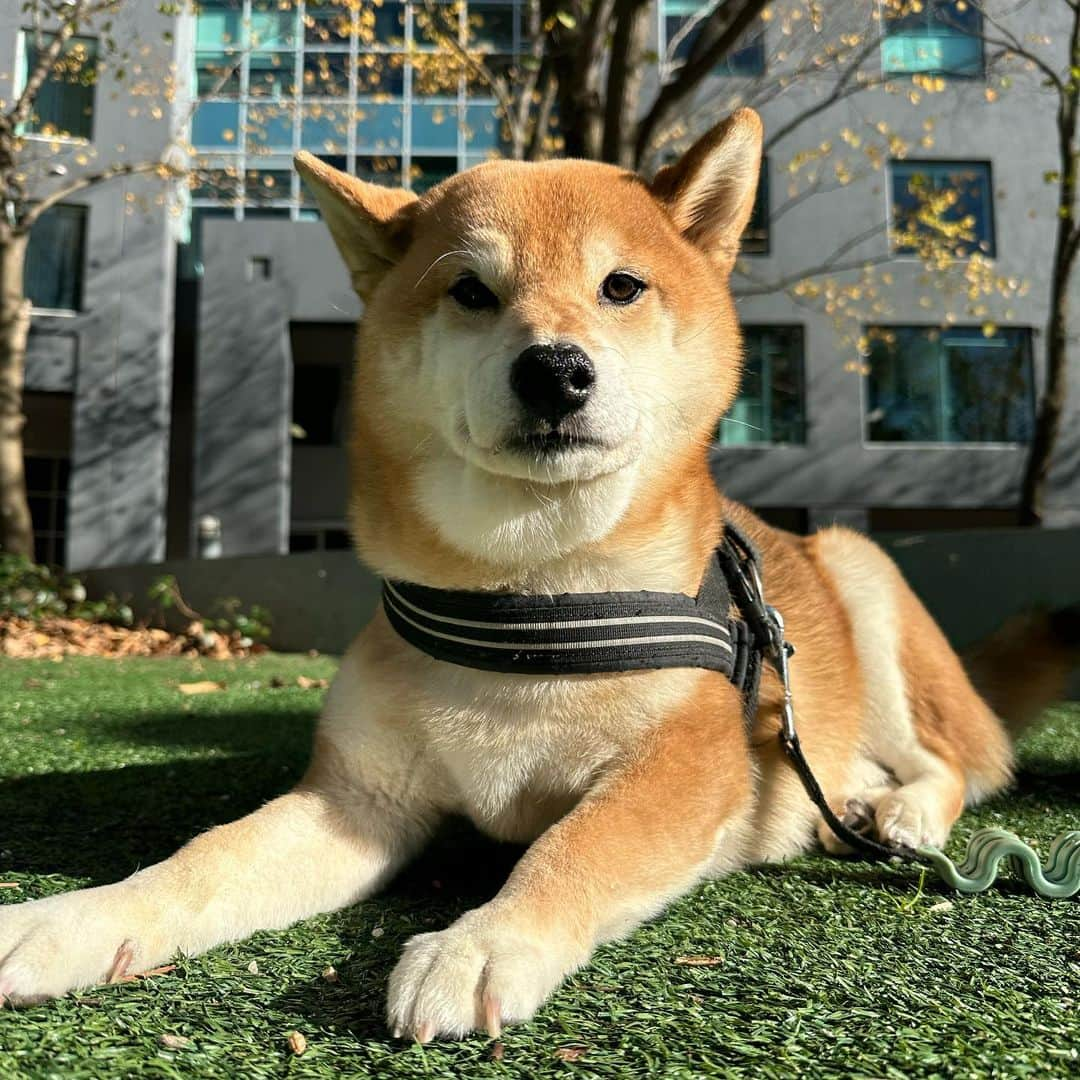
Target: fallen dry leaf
[[570, 1053], [206, 686], [297, 1043], [253, 967], [700, 961], [330, 975], [497, 1051], [941, 905], [174, 1042], [10, 885], [307, 683]]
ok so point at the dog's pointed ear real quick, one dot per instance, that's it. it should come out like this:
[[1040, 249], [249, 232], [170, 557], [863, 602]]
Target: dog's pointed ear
[[709, 192], [370, 224]]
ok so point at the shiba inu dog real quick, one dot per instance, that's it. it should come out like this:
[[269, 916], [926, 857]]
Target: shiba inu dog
[[544, 355]]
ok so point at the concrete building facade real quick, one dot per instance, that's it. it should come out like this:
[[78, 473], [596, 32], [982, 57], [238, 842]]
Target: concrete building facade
[[215, 384]]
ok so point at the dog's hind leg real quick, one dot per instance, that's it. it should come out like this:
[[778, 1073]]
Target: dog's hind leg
[[923, 720]]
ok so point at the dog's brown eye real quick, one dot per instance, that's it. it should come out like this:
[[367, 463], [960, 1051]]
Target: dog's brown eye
[[470, 292], [621, 288]]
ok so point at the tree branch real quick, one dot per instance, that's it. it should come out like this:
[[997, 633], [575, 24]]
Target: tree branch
[[88, 180], [690, 76]]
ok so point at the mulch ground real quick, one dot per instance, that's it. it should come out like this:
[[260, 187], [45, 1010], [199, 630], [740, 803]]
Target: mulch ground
[[49, 638]]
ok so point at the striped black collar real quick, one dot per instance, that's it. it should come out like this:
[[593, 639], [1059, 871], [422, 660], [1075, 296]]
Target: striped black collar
[[587, 633]]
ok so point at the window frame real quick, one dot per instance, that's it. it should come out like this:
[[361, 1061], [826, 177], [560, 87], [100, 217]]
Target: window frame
[[991, 214], [80, 291], [770, 444], [19, 83], [891, 445], [978, 76]]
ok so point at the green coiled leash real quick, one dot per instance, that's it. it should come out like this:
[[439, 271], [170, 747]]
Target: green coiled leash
[[989, 849]]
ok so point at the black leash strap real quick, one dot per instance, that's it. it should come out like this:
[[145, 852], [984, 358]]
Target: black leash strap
[[740, 560]]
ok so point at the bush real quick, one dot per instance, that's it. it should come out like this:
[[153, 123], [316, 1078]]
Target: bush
[[30, 591]]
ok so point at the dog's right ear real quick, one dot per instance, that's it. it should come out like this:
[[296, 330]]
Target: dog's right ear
[[370, 224]]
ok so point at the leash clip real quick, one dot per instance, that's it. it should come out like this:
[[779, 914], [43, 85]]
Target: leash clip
[[780, 652]]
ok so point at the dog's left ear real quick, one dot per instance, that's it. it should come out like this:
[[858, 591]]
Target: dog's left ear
[[709, 192], [371, 224]]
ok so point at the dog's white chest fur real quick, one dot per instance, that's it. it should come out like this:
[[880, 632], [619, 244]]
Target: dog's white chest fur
[[513, 753]]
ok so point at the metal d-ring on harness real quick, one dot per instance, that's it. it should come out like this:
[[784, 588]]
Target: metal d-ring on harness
[[1058, 878]]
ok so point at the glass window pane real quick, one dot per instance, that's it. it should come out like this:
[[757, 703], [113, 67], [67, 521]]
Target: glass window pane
[[273, 24], [65, 102], [426, 172], [942, 38], [380, 75], [325, 128], [949, 386], [215, 124], [770, 407], [434, 127], [329, 22], [491, 26], [379, 170], [484, 130], [220, 24], [217, 74], [265, 184], [326, 74], [385, 25], [950, 202], [53, 274], [378, 128], [269, 126], [272, 74]]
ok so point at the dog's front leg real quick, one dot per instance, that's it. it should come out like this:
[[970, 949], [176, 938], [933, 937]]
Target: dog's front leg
[[673, 810], [330, 842]]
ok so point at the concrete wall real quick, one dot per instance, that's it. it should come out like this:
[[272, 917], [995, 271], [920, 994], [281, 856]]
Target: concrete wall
[[114, 354], [259, 277], [971, 582]]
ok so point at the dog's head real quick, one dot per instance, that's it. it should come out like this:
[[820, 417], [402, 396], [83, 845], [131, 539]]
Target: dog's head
[[541, 342]]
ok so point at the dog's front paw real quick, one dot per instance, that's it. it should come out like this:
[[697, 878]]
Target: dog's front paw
[[51, 946], [479, 973]]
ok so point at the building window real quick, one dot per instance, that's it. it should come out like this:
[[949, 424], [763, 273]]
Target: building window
[[934, 37], [64, 104], [309, 536], [356, 87], [771, 405], [957, 385], [948, 202], [47, 464], [755, 238], [322, 363], [684, 22], [53, 278]]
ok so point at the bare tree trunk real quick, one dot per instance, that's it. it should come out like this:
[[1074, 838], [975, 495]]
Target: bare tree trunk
[[1051, 407], [626, 72], [16, 529], [1052, 403]]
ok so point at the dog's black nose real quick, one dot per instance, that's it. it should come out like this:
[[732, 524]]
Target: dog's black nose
[[552, 381]]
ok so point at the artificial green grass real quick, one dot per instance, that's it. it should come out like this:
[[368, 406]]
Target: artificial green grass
[[816, 968]]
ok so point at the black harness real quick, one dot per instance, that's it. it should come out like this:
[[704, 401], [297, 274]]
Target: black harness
[[727, 627]]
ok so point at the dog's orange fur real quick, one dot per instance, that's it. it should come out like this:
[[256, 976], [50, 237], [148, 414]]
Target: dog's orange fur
[[631, 787]]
